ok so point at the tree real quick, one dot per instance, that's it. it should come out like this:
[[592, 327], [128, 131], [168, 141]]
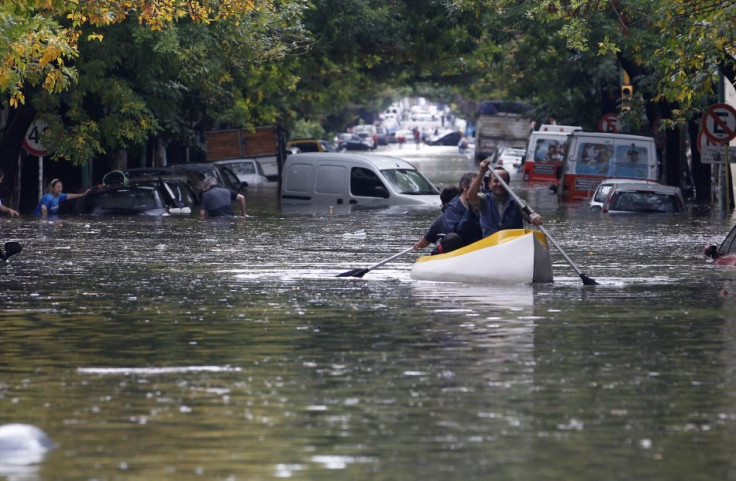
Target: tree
[[41, 36]]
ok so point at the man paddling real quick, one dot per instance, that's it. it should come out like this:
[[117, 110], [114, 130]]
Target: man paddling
[[497, 209]]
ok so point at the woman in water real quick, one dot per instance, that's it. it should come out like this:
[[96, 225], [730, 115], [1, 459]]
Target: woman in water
[[48, 206]]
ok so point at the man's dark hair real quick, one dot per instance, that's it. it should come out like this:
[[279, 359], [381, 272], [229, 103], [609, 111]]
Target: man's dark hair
[[449, 193]]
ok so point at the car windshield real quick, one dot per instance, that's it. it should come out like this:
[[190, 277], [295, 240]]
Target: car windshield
[[644, 202], [408, 181]]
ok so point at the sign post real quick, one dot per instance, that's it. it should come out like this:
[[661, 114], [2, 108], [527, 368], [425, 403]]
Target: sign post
[[33, 145], [719, 125]]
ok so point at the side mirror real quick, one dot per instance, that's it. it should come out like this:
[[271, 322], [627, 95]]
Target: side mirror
[[382, 192], [243, 185], [553, 188]]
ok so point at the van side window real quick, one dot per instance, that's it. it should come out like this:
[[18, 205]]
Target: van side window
[[364, 182]]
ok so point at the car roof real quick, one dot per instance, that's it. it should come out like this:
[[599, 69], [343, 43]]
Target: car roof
[[381, 162], [647, 186]]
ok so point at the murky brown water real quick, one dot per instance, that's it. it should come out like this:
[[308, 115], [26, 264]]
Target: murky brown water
[[182, 349]]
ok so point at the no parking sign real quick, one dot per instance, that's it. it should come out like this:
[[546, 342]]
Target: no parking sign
[[608, 123], [719, 123]]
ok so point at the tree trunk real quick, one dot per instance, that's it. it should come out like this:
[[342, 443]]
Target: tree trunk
[[701, 172], [120, 160]]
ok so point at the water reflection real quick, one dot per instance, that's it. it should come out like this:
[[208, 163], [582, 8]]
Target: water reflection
[[176, 349]]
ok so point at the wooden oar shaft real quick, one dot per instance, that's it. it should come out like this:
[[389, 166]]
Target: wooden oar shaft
[[362, 272], [389, 259], [586, 280]]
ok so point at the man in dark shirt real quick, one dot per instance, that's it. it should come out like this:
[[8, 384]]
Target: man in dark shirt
[[497, 209], [217, 201]]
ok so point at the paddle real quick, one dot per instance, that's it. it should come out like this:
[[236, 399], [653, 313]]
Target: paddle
[[586, 280], [364, 271], [11, 248]]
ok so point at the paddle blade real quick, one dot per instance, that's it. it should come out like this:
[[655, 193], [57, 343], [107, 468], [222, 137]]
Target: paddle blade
[[587, 281], [354, 273], [11, 248]]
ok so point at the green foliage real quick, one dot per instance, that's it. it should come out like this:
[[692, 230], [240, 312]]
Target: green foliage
[[307, 130]]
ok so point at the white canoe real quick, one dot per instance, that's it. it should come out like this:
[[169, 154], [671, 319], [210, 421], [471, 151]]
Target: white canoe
[[512, 256]]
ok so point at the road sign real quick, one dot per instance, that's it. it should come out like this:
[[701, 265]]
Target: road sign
[[32, 140], [608, 123], [719, 123], [713, 153]]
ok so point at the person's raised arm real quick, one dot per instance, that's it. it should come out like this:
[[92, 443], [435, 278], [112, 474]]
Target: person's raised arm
[[74, 196], [477, 181]]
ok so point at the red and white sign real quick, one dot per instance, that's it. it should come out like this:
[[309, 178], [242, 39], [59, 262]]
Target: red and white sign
[[719, 123], [32, 140], [608, 123]]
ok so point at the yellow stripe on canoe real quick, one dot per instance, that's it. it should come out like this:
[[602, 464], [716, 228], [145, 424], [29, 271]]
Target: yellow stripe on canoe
[[500, 237]]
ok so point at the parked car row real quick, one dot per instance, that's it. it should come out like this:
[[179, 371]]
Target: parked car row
[[156, 191]]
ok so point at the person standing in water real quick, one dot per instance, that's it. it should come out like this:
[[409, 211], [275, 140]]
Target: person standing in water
[[48, 206]]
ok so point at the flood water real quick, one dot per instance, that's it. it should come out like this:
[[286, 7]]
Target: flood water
[[176, 348]]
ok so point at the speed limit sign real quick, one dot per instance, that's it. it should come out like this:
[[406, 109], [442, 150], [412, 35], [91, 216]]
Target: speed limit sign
[[32, 140]]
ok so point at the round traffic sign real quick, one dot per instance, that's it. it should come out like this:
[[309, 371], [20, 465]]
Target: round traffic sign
[[32, 140], [608, 123], [719, 123]]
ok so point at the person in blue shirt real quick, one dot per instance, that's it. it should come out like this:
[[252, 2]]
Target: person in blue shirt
[[497, 209], [48, 206]]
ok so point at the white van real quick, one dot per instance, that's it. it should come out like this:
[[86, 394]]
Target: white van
[[544, 152], [592, 157], [355, 180]]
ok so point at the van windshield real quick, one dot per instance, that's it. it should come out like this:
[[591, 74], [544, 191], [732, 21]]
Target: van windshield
[[408, 181]]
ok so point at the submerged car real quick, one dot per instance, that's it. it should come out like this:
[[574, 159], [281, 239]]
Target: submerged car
[[199, 171], [140, 192], [600, 194], [451, 137], [126, 200], [247, 170], [511, 157], [354, 142], [637, 197], [725, 254]]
